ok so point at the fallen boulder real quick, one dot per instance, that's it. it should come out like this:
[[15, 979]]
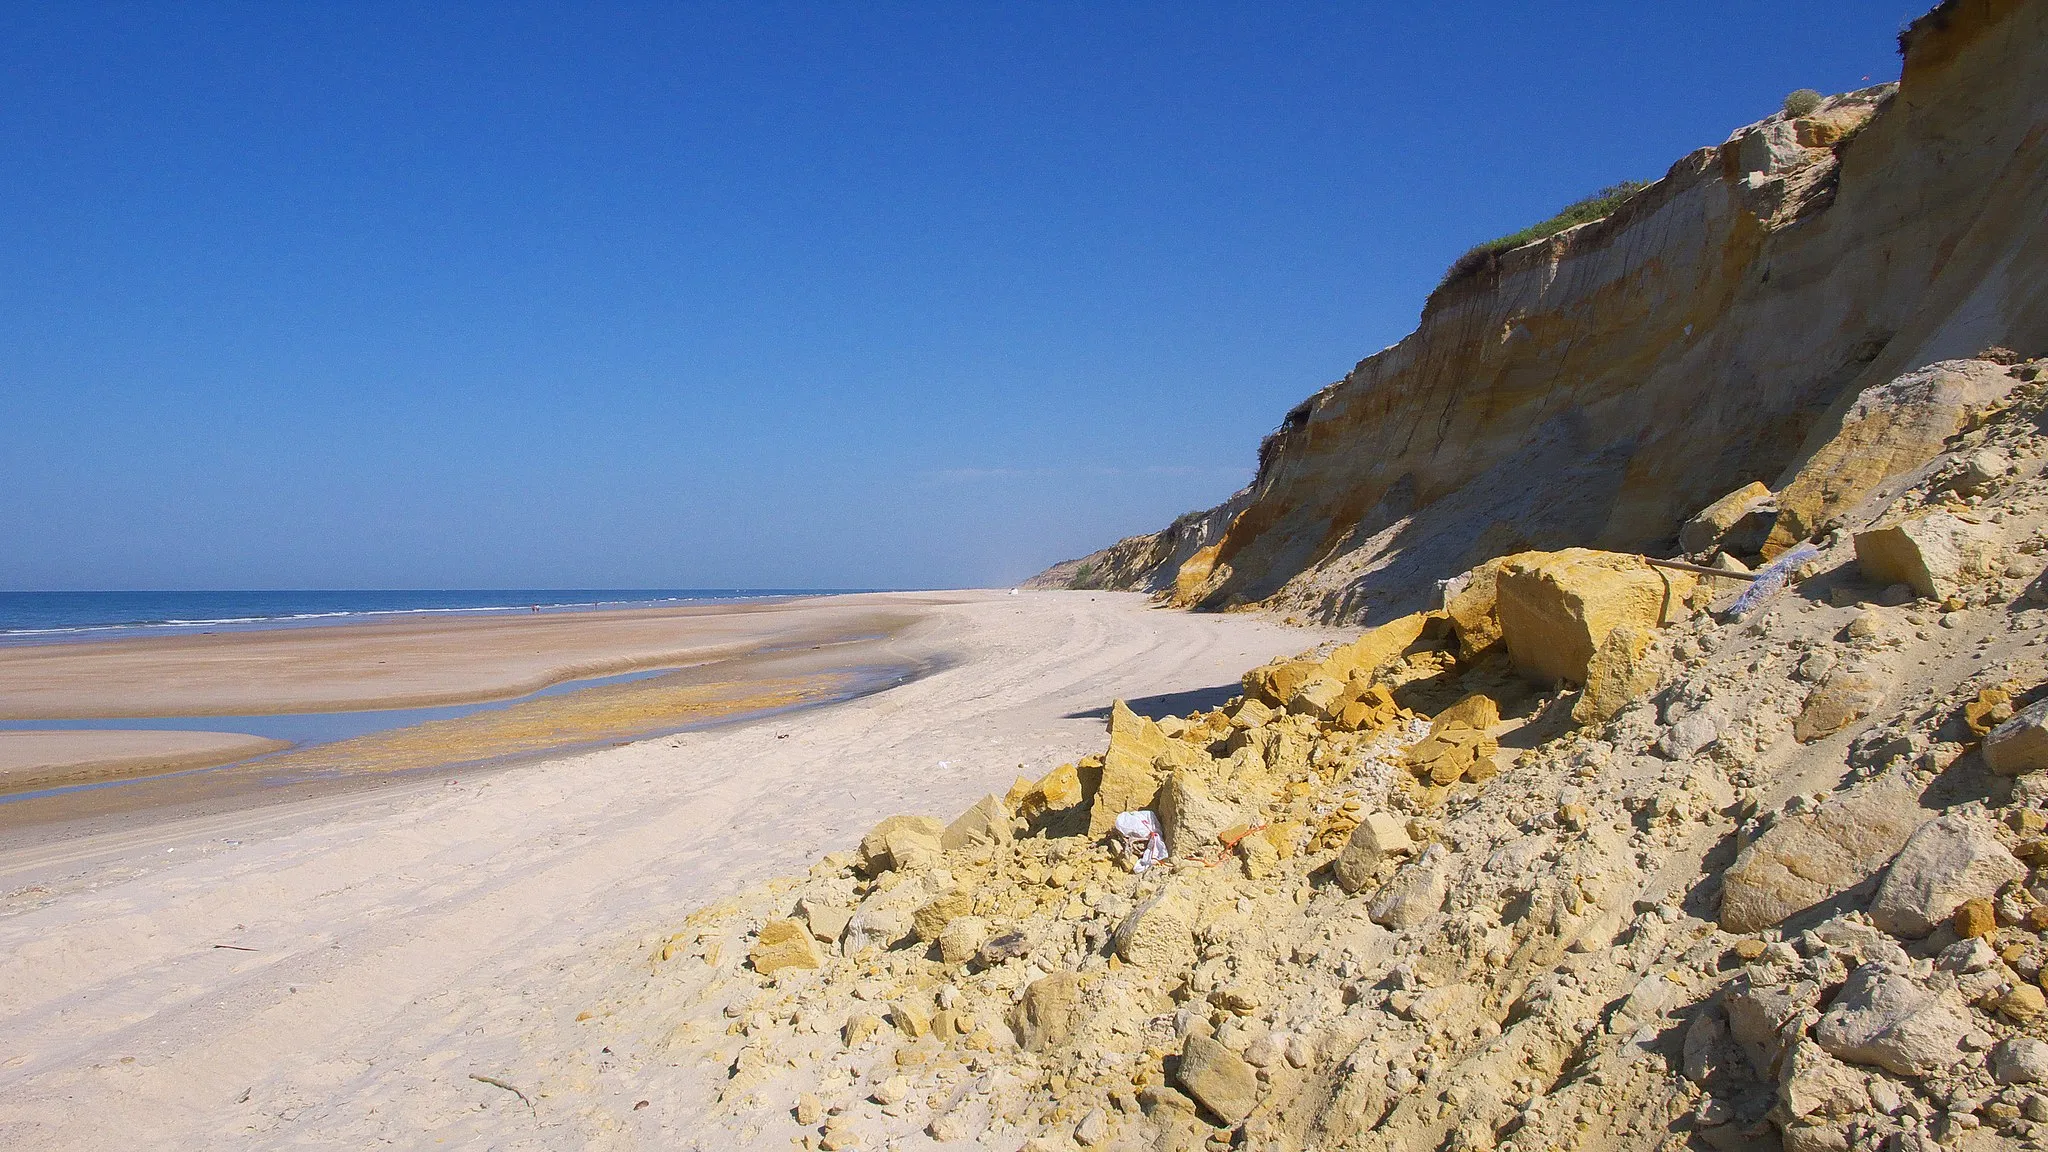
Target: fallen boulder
[[2020, 744], [1812, 857], [1948, 861], [1621, 671], [1221, 1079], [1046, 1015], [987, 822], [901, 842], [1471, 603], [1935, 554], [1138, 755], [1883, 1019], [1846, 696], [1888, 429], [1378, 836], [784, 944], [1556, 608], [1738, 522]]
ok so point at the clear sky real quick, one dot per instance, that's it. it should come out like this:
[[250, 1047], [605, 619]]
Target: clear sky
[[489, 295]]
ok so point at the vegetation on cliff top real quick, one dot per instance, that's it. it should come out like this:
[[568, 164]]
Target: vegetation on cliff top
[[1594, 207]]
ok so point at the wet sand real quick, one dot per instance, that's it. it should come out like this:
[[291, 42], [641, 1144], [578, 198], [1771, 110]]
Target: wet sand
[[46, 759], [411, 663]]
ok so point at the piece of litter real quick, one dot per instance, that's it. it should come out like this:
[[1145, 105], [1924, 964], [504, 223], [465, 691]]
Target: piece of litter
[[1140, 830]]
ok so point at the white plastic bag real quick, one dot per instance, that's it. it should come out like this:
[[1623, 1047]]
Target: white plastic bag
[[1140, 830]]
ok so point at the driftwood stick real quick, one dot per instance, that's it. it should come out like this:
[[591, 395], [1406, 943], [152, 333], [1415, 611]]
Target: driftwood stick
[[1682, 566], [494, 1082]]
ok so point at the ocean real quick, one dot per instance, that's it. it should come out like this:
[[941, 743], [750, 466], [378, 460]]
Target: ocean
[[51, 617]]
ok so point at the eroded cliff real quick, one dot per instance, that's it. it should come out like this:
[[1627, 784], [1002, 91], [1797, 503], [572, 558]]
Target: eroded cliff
[[1597, 387]]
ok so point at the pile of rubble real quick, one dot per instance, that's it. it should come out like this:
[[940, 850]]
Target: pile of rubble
[[1599, 854]]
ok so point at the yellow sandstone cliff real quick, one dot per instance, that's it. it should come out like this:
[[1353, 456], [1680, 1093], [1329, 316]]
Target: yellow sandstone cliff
[[1598, 387]]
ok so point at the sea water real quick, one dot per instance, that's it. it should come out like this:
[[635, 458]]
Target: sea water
[[50, 617]]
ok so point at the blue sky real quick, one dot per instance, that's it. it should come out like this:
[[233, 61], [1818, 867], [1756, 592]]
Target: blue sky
[[769, 294]]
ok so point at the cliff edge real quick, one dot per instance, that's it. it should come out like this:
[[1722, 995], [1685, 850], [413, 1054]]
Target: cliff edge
[[1599, 386]]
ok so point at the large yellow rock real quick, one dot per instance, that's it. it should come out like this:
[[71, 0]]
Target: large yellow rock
[[1713, 524], [784, 944], [904, 842], [1384, 645], [1276, 683], [1887, 429], [1469, 604], [1556, 608], [1621, 671], [1138, 759], [1936, 554]]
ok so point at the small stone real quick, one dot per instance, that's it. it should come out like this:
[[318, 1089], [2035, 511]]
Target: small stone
[[839, 1134], [1000, 948], [910, 1019], [1748, 949], [2025, 1002], [1093, 1128], [1224, 1083], [827, 921], [784, 944], [894, 1090], [1046, 1015], [1884, 1019], [2019, 745], [987, 822], [859, 1027], [1974, 918], [809, 1111]]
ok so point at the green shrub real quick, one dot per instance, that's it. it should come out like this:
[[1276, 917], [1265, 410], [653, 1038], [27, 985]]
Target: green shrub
[[1082, 575], [1594, 207], [1801, 102]]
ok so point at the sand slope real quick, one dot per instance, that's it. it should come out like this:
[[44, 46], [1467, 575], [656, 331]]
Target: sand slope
[[399, 943]]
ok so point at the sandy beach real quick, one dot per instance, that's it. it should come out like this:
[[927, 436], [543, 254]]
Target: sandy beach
[[39, 759], [409, 663], [335, 971]]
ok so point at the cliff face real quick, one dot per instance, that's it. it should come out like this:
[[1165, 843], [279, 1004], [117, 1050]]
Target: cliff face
[[1598, 387]]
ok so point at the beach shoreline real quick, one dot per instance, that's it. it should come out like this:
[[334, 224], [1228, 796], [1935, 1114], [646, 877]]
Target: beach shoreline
[[334, 969], [416, 662]]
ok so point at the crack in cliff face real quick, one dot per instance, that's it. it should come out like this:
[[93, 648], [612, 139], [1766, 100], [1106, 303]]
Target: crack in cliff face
[[1705, 334]]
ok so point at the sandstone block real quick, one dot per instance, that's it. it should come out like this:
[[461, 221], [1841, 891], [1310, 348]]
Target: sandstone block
[[1478, 711], [1846, 696], [1046, 1016], [1190, 818], [1556, 608], [1384, 645], [2020, 1060], [1883, 1019], [784, 944], [1812, 1081], [901, 842], [1220, 1079], [1158, 934], [1621, 671], [1371, 708], [931, 918], [1815, 856], [1766, 1021], [1414, 894], [1948, 861], [1276, 683], [1887, 429], [827, 920], [2020, 744], [1936, 554], [1322, 698], [1058, 790], [987, 822], [885, 919], [1132, 768], [1737, 522], [1378, 836], [1470, 602], [962, 937]]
